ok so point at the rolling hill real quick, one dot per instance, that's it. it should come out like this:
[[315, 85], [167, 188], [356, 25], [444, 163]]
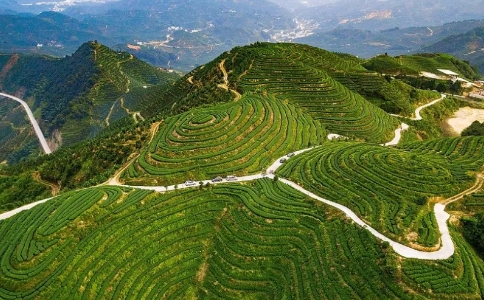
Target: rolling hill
[[74, 97], [261, 112], [468, 46], [306, 81]]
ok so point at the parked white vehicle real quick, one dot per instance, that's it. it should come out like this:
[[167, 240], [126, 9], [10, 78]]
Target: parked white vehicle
[[217, 179]]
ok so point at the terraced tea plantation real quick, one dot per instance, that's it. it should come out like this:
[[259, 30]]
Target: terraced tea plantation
[[282, 71], [389, 188], [235, 138], [258, 239], [466, 153], [263, 241]]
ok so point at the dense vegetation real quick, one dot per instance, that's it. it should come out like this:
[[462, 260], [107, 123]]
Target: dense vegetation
[[476, 128], [474, 231], [77, 95], [465, 153], [303, 76], [320, 86], [262, 241], [388, 188], [433, 124], [414, 64], [81, 165], [16, 190], [239, 138], [321, 83], [259, 240]]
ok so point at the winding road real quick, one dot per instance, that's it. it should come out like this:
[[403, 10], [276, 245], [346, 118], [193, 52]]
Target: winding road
[[418, 117], [38, 132], [447, 246]]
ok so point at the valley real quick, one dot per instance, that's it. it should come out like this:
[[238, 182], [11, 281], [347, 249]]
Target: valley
[[32, 120]]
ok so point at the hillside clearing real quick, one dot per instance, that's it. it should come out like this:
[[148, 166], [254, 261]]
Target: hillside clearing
[[464, 117]]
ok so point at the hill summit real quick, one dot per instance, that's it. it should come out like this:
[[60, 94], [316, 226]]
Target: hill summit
[[74, 97]]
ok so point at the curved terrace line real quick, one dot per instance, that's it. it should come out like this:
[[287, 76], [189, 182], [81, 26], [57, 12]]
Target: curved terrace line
[[36, 126], [446, 250]]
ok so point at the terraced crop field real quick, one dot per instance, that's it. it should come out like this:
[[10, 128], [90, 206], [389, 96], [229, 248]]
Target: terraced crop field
[[235, 138], [306, 84], [427, 63], [389, 188], [230, 242], [466, 153], [459, 277], [259, 241]]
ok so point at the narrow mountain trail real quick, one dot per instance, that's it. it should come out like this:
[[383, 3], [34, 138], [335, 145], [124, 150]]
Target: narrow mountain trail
[[445, 251], [115, 179], [418, 117], [55, 189], [225, 85], [38, 131], [134, 114], [110, 113], [476, 187]]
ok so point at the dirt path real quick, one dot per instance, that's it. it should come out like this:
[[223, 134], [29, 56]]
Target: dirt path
[[55, 189], [115, 179], [225, 85], [154, 129], [134, 114], [110, 112], [476, 187]]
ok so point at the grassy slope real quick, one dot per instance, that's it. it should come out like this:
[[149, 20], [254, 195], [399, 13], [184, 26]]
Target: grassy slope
[[240, 138], [261, 241], [414, 64], [297, 73], [77, 93], [391, 189]]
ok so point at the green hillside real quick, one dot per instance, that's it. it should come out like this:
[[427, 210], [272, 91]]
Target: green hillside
[[295, 73], [260, 238], [240, 138], [414, 64], [389, 188], [259, 241], [330, 92], [468, 46], [74, 97]]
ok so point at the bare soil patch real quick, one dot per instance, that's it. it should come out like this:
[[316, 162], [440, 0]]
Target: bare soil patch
[[464, 117]]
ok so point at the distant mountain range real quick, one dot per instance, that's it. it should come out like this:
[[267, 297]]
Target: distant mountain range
[[184, 34], [394, 41], [467, 46], [377, 14]]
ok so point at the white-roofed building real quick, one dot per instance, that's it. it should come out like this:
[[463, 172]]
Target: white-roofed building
[[448, 72]]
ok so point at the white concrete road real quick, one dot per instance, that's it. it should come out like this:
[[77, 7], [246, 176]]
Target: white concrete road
[[418, 117], [38, 132], [447, 246]]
